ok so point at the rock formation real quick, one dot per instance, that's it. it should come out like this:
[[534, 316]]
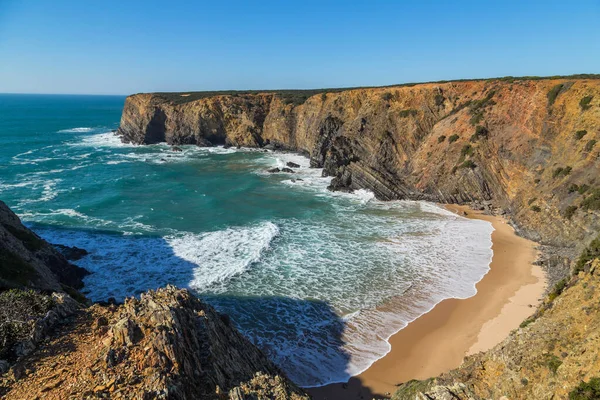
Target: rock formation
[[527, 146]]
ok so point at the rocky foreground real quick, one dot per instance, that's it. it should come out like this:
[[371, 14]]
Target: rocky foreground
[[166, 345]]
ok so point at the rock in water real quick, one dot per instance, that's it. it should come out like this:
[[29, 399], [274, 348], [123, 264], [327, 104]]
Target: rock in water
[[71, 253], [292, 164], [273, 170], [288, 170]]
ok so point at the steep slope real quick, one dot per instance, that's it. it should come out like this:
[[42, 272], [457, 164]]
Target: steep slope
[[527, 146], [26, 260]]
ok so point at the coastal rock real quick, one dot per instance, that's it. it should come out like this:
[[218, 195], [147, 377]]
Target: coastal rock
[[71, 253], [26, 260], [496, 142], [292, 164], [167, 344], [273, 170], [288, 170]]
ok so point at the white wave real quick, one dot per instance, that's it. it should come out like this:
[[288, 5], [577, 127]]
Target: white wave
[[222, 254], [76, 130], [106, 139]]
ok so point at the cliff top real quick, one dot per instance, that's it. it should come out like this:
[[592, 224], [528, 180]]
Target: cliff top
[[299, 96]]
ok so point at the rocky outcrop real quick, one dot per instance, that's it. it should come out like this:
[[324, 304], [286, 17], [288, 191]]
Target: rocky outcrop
[[519, 144], [166, 345], [26, 260]]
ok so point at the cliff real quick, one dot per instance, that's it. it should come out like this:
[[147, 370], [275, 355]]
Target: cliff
[[526, 146]]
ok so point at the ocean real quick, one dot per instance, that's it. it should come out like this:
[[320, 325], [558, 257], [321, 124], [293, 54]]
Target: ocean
[[318, 280]]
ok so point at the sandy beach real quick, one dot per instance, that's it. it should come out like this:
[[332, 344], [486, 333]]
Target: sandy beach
[[439, 340]]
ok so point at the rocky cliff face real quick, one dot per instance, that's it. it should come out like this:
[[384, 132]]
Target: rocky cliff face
[[26, 260], [166, 345], [528, 146]]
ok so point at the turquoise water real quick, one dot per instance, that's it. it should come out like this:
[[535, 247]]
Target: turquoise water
[[318, 280]]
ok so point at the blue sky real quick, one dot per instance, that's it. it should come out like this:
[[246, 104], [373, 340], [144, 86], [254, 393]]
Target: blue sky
[[123, 47]]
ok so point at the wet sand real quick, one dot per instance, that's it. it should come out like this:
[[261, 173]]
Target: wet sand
[[439, 340]]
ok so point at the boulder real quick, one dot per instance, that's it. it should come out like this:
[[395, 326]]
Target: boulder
[[273, 170], [292, 164], [288, 170]]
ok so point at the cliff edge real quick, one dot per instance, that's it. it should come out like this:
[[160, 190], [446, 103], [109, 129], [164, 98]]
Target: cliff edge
[[526, 146]]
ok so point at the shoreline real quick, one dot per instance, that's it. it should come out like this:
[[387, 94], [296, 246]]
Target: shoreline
[[439, 340]]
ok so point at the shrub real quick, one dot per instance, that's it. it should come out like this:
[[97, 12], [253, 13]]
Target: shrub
[[560, 171], [586, 390], [591, 252], [583, 188], [441, 139], [407, 113], [531, 201], [476, 118], [584, 103], [453, 138], [590, 145], [572, 188], [480, 131], [537, 180], [387, 96], [553, 94], [580, 134], [535, 208], [14, 269], [324, 96], [467, 150], [19, 309], [553, 362], [468, 164], [570, 211], [592, 202]]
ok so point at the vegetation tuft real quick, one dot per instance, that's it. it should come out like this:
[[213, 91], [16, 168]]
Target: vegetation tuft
[[592, 201], [480, 132], [561, 171], [590, 145], [553, 362], [553, 94], [453, 138], [591, 252], [584, 103], [30, 241], [19, 309], [14, 270], [580, 134], [586, 390], [570, 211], [407, 113], [535, 208], [441, 138]]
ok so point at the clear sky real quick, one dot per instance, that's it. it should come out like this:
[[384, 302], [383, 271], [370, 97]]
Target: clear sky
[[123, 46]]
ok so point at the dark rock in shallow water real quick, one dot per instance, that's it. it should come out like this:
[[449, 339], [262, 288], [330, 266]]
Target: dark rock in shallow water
[[273, 170], [71, 253], [288, 170], [175, 148], [292, 165]]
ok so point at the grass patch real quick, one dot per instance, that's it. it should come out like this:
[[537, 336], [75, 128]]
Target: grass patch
[[553, 94], [19, 309], [407, 113], [30, 241], [583, 188], [584, 103], [592, 201], [561, 171], [453, 138], [468, 164], [552, 362], [570, 211], [14, 269], [591, 252], [586, 390], [590, 145], [441, 138], [580, 134]]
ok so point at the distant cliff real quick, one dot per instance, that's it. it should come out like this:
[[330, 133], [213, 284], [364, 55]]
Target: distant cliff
[[528, 147]]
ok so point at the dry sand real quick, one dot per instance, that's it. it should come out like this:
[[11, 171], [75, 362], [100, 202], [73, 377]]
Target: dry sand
[[438, 341]]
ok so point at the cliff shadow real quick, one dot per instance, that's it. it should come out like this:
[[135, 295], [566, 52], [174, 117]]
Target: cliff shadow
[[303, 337]]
